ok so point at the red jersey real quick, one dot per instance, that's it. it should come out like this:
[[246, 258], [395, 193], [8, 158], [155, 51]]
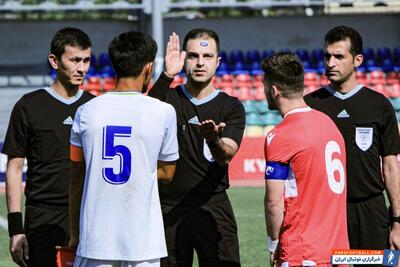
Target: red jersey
[[315, 190]]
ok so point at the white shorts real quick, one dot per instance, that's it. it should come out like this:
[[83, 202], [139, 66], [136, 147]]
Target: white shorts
[[85, 262]]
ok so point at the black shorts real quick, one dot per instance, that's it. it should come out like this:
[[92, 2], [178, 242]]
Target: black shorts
[[210, 229], [368, 223], [45, 229]]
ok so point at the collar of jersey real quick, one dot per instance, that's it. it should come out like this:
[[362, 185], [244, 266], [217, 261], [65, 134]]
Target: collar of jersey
[[298, 110], [124, 93], [198, 102], [66, 101], [347, 95]]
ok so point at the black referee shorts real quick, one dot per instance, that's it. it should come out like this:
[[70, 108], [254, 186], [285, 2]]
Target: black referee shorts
[[45, 229], [368, 223], [210, 229]]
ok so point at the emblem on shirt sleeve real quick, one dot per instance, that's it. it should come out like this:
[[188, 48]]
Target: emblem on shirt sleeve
[[269, 137], [364, 137]]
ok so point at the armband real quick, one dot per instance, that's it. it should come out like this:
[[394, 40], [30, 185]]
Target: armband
[[15, 225], [272, 244], [276, 170]]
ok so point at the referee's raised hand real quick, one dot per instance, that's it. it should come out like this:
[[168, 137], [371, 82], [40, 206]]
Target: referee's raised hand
[[174, 58]]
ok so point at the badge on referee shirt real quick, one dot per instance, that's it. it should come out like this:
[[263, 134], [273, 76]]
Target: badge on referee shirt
[[364, 137]]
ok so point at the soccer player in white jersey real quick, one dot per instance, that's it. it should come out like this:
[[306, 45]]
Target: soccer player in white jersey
[[121, 142]]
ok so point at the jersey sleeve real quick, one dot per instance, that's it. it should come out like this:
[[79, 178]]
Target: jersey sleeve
[[76, 129], [390, 132], [235, 122], [161, 87], [16, 141], [169, 149]]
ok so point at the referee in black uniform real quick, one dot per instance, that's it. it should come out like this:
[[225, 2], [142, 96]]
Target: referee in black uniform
[[39, 130], [196, 209], [368, 124]]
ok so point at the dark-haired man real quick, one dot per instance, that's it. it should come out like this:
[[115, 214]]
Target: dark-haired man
[[39, 130], [305, 177], [121, 142], [368, 124], [197, 212]]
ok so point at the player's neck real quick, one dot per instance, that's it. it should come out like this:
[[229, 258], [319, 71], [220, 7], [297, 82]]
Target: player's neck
[[200, 90], [346, 86], [129, 84], [288, 105], [64, 90]]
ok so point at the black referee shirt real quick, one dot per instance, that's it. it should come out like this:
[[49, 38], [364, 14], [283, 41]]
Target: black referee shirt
[[368, 124], [39, 130], [196, 172]]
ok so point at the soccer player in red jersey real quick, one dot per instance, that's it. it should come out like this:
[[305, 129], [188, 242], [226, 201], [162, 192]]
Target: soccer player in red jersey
[[305, 200]]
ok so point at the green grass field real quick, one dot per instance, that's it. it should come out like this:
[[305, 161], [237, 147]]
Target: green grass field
[[249, 211]]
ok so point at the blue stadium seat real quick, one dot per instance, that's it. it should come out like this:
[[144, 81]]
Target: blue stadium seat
[[223, 68], [93, 60], [239, 68], [253, 56], [308, 67], [255, 69], [267, 52], [224, 56], [371, 65], [253, 119], [383, 53], [104, 59], [396, 55], [368, 53], [302, 54], [387, 65], [249, 106], [317, 55], [235, 56], [91, 72], [320, 67], [108, 72], [261, 106]]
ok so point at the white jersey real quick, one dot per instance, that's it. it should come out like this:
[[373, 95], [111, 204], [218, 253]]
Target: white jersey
[[123, 135]]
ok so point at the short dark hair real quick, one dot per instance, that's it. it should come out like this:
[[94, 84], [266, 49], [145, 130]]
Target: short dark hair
[[69, 36], [285, 70], [130, 52], [201, 33], [341, 33]]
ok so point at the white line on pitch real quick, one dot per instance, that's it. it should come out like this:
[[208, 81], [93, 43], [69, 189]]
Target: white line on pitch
[[3, 223]]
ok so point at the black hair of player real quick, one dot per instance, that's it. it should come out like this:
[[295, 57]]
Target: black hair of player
[[69, 37], [130, 52], [341, 33], [201, 33], [285, 71]]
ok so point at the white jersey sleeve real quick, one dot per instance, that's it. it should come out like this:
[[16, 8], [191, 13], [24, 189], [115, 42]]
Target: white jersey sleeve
[[169, 149], [75, 138]]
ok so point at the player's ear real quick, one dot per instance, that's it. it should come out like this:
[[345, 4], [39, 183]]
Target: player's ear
[[275, 90], [53, 61], [358, 60], [148, 71]]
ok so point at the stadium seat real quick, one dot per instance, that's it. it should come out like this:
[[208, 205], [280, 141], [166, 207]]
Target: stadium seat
[[228, 90], [302, 54], [104, 59], [368, 53], [253, 119], [92, 84], [392, 77], [222, 69], [91, 72], [396, 103], [271, 118], [255, 69], [93, 60], [383, 53], [387, 65], [261, 106], [253, 56], [371, 65], [317, 55], [109, 83], [267, 52], [108, 71], [249, 106], [244, 93], [308, 67], [376, 77], [361, 77], [320, 67], [394, 91], [235, 56], [310, 88], [396, 55], [239, 68], [259, 93], [243, 80], [224, 56], [323, 81], [311, 78]]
